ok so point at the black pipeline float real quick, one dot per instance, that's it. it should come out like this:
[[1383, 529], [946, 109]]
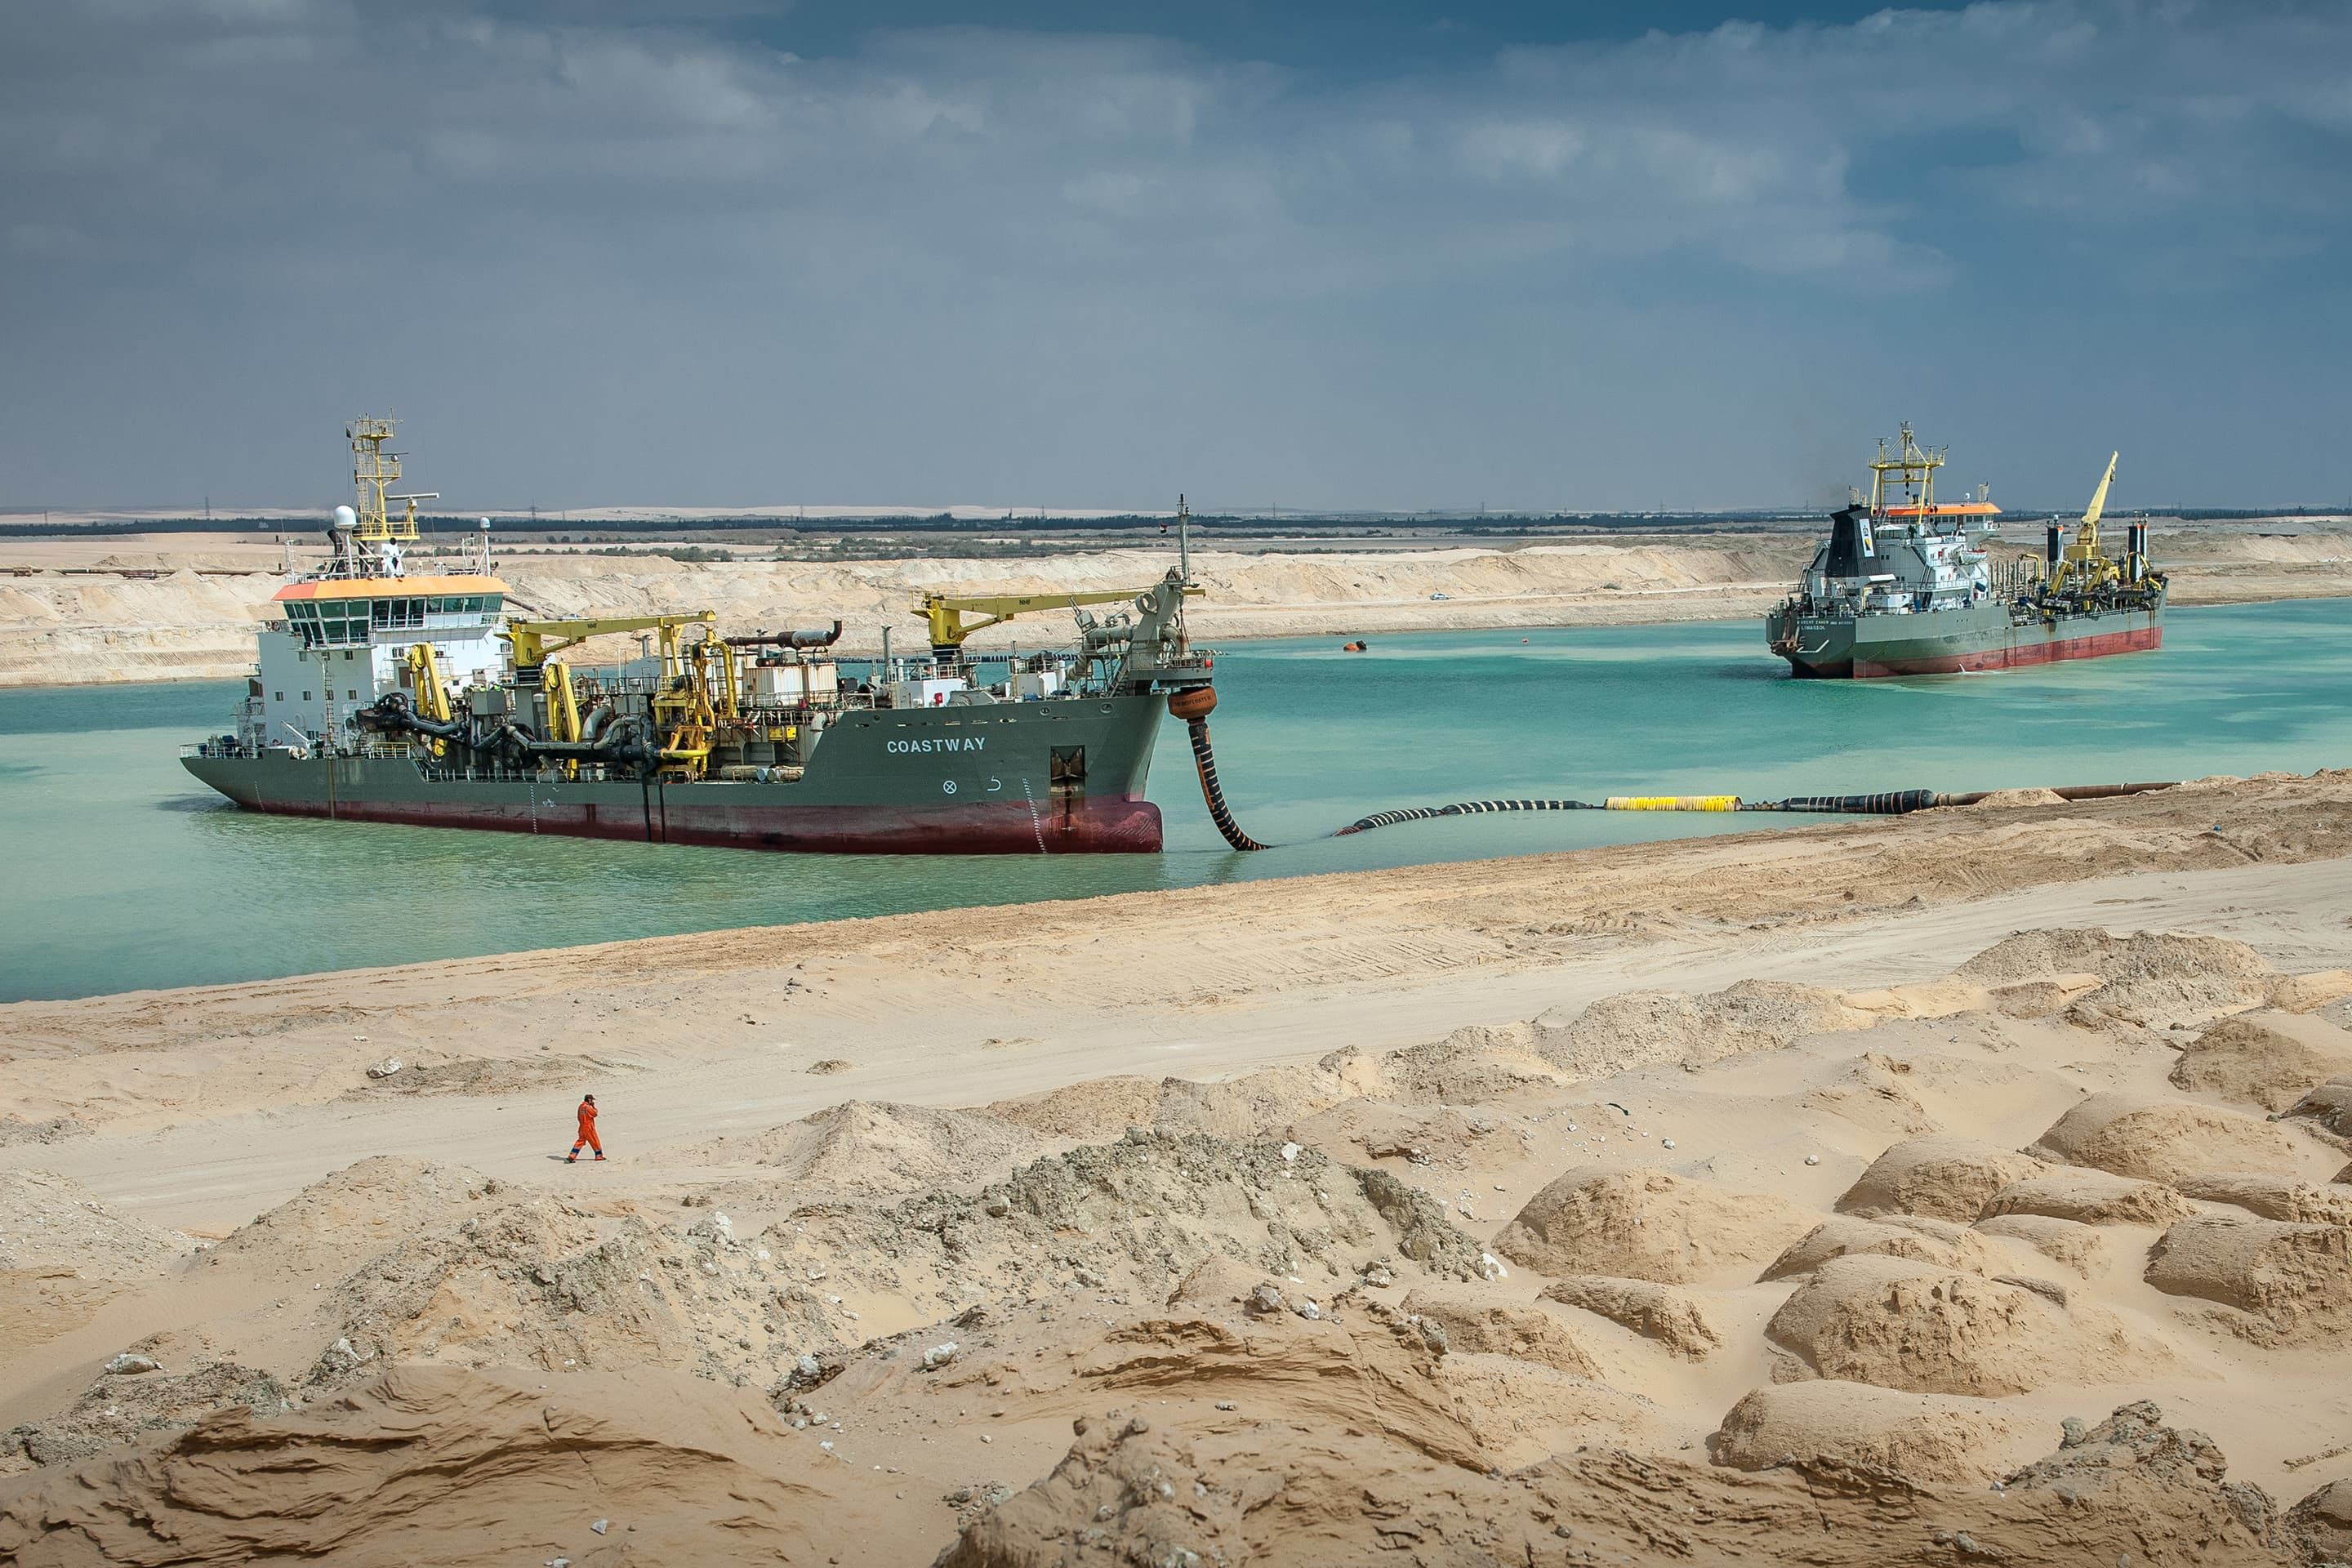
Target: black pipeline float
[[1886, 802]]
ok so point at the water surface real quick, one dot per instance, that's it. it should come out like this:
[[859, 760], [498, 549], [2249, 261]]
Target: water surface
[[124, 873]]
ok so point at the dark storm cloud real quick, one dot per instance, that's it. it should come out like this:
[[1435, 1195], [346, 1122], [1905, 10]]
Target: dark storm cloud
[[594, 259]]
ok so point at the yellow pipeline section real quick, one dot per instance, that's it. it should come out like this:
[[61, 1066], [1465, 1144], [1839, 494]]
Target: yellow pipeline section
[[1671, 803]]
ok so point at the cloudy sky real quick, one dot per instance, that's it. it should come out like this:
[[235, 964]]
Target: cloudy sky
[[1329, 253]]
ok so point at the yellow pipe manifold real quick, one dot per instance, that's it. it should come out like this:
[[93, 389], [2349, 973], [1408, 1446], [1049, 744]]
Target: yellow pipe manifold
[[1672, 803]]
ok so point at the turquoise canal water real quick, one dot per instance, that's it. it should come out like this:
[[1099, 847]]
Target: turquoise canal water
[[123, 873]]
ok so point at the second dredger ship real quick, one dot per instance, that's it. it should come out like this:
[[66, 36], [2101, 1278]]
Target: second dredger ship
[[387, 696], [1903, 587]]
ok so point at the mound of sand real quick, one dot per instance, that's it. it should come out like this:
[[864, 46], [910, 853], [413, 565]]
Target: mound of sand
[[2285, 1283], [1440, 1136], [1940, 1176], [1475, 1323], [2157, 979], [1648, 1224], [1920, 1437], [2162, 1140], [1139, 1214], [434, 1465], [528, 1283], [339, 1221], [2079, 1246], [122, 1406], [2321, 1524], [1673, 1317], [1643, 1028], [534, 1282], [2329, 1105], [1936, 1241], [1084, 1111], [870, 1149], [1469, 1066], [2274, 1198], [49, 1222], [1256, 1105], [1906, 1325], [2269, 1059], [2008, 799], [1146, 1490], [2090, 1197], [2309, 992]]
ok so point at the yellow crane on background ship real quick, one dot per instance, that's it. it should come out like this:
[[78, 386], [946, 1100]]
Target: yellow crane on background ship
[[2083, 565]]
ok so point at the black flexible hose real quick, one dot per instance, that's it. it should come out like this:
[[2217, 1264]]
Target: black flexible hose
[[1886, 802], [1206, 762], [1459, 808]]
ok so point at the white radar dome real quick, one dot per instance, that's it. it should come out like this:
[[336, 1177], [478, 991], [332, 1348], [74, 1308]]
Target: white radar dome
[[346, 517], [486, 525]]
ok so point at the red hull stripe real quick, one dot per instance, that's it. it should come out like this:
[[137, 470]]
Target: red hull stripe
[[2141, 640], [1095, 824]]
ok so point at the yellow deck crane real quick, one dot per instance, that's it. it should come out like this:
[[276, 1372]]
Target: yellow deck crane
[[2083, 566], [432, 693], [697, 682], [946, 611]]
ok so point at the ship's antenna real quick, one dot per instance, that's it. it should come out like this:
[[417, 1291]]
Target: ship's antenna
[[1183, 539]]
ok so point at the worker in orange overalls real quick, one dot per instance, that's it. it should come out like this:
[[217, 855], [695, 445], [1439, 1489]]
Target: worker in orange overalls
[[587, 1130]]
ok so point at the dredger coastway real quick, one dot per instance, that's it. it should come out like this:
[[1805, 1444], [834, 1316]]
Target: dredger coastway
[[387, 694]]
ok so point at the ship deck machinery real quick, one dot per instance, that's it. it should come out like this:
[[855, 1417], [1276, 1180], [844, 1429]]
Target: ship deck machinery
[[1903, 586], [761, 741]]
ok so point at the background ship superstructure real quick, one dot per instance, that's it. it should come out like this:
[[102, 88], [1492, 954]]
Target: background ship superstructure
[[1903, 586]]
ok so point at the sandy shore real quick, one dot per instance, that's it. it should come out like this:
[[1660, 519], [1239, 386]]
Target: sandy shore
[[78, 611], [1829, 1195]]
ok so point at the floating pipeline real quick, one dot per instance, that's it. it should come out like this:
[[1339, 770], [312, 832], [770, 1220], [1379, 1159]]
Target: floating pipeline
[[1886, 802], [1460, 808], [1195, 705]]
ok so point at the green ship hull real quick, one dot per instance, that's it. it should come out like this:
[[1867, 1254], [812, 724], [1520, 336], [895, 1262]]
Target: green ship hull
[[1056, 777], [1986, 636]]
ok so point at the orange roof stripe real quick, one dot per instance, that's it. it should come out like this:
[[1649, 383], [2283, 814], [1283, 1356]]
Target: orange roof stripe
[[387, 587], [1947, 508]]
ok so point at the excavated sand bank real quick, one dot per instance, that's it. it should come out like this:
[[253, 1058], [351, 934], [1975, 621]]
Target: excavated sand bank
[[195, 620], [1451, 1215]]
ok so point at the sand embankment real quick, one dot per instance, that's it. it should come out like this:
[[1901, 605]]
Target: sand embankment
[[66, 618], [1842, 1195]]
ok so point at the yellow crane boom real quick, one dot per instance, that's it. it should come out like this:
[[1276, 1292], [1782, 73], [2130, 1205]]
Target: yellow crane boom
[[946, 611], [431, 699], [534, 640], [2093, 513]]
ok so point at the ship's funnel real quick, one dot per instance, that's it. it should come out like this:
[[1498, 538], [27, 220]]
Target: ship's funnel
[[2052, 545], [1851, 546]]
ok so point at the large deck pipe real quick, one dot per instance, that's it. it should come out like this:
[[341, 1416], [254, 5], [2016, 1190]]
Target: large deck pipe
[[799, 640]]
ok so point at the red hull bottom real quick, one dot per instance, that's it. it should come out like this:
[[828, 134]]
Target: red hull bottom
[[2140, 639], [1094, 824]]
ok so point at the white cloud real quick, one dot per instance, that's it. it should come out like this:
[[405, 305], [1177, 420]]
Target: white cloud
[[717, 190]]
